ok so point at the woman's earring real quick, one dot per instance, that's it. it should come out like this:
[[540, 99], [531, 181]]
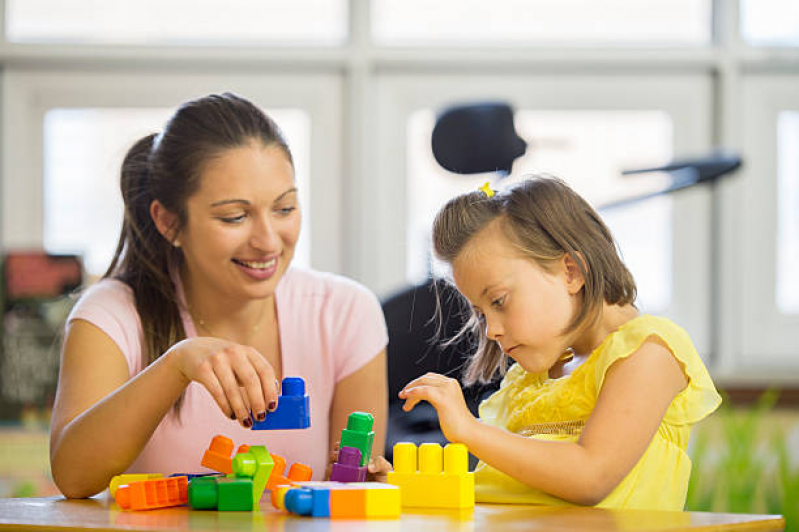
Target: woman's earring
[[176, 243]]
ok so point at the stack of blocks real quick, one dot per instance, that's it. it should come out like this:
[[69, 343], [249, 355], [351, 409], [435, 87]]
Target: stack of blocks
[[354, 500], [433, 485]]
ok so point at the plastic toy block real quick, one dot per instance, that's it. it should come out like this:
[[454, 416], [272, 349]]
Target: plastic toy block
[[293, 410], [192, 476], [299, 501], [264, 465], [382, 500], [121, 480], [234, 494], [437, 483], [359, 434], [358, 500], [203, 493], [153, 493], [217, 457], [297, 473], [278, 497], [348, 466], [348, 503], [320, 506]]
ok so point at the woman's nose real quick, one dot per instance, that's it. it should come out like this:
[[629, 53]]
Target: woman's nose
[[264, 235]]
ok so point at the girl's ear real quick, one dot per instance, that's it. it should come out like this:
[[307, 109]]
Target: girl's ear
[[165, 221], [572, 274]]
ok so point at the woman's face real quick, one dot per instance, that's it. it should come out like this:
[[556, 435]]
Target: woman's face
[[243, 223]]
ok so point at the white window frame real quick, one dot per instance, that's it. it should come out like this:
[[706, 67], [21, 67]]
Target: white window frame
[[28, 94]]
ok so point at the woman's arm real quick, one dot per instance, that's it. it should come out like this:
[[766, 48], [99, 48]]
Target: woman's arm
[[635, 395], [102, 419], [365, 390]]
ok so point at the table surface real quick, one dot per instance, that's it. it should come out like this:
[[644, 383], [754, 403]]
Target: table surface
[[101, 513]]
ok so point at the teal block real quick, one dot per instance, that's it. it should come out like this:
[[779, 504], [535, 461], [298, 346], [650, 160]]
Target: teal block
[[359, 434], [234, 495]]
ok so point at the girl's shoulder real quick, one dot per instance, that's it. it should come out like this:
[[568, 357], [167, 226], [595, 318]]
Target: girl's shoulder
[[697, 400]]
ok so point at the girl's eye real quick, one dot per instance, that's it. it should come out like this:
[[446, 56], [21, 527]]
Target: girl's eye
[[498, 302]]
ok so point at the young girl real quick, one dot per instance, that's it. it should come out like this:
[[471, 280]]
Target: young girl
[[599, 405], [200, 314]]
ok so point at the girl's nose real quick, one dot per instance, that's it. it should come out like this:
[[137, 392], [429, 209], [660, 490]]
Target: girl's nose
[[494, 329]]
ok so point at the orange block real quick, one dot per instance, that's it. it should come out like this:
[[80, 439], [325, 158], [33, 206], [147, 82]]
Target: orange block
[[298, 473], [154, 493], [217, 457], [348, 503]]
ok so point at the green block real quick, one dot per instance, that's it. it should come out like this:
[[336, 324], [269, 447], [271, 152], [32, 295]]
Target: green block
[[243, 465], [235, 495], [202, 493], [359, 434], [264, 465]]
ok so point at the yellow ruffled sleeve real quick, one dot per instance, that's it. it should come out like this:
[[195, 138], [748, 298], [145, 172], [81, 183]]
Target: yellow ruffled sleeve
[[698, 399]]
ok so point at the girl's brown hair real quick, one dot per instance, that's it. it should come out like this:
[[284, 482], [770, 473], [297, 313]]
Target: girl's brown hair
[[544, 219], [167, 167]]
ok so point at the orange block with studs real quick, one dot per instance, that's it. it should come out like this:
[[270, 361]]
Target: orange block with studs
[[217, 457], [298, 473], [154, 493]]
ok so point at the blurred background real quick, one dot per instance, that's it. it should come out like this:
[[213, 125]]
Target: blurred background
[[598, 87]]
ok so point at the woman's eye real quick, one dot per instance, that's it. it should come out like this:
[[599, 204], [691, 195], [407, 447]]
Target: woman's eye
[[285, 211], [232, 219]]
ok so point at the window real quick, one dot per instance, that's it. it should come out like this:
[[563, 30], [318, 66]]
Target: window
[[588, 149], [182, 22], [83, 150], [787, 285], [770, 22], [543, 22]]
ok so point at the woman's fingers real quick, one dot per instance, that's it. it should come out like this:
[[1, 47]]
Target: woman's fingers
[[267, 383], [227, 379], [208, 379]]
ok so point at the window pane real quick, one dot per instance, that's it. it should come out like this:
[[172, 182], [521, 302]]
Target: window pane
[[588, 149], [788, 211], [182, 22], [556, 22], [83, 150], [770, 22]]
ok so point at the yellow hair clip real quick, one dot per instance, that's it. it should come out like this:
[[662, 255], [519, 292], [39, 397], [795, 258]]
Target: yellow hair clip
[[486, 189]]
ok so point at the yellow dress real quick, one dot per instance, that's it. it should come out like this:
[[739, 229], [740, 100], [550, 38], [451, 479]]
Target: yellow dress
[[536, 406]]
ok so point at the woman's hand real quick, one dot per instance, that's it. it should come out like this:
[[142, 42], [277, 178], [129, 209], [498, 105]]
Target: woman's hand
[[446, 396], [376, 470], [238, 377]]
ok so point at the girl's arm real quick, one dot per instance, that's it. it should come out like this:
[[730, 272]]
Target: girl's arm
[[102, 419], [365, 390], [635, 395]]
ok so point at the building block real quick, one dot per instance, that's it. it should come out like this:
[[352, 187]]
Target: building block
[[234, 494], [153, 493], [264, 465], [343, 500], [203, 494], [217, 457], [359, 434], [297, 473], [121, 480], [437, 483], [348, 466], [278, 496], [293, 409]]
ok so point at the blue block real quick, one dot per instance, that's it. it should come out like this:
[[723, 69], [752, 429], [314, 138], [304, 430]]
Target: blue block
[[321, 502], [293, 411], [299, 501]]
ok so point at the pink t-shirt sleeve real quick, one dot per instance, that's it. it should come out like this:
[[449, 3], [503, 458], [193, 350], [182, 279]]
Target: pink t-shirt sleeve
[[109, 306], [359, 326]]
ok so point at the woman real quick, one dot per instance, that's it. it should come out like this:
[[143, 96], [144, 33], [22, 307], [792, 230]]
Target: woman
[[200, 316]]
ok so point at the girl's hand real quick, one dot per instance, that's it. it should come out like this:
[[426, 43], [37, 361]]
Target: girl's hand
[[238, 377], [446, 396], [376, 470]]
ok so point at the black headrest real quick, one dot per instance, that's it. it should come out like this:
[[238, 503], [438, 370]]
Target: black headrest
[[477, 138]]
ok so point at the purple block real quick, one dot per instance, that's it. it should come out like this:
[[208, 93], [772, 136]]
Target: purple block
[[347, 468]]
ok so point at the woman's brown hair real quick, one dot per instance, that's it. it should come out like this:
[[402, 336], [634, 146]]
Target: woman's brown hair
[[544, 219], [167, 167]]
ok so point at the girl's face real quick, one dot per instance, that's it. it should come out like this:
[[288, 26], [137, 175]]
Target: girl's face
[[243, 222], [526, 307]]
